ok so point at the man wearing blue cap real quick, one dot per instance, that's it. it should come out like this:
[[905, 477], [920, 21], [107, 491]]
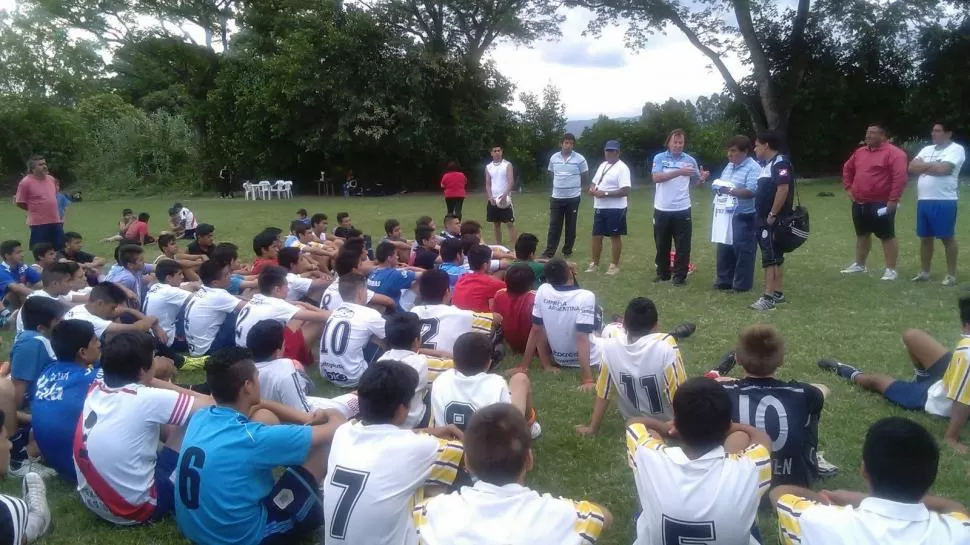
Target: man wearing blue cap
[[609, 188]]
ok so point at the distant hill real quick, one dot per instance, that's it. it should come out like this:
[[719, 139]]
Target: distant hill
[[579, 125]]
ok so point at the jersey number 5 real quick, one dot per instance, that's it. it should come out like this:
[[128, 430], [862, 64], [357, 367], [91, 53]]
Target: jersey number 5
[[352, 485], [682, 532]]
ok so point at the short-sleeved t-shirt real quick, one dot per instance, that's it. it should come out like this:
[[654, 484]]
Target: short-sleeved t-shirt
[[391, 282], [136, 230], [164, 302], [40, 196], [262, 307], [345, 335], [194, 248], [611, 177], [298, 286], [538, 269], [516, 311], [205, 313], [279, 381], [674, 194], [61, 390], [567, 174], [79, 257], [774, 173], [648, 372], [30, 354], [564, 311], [187, 219], [940, 187], [260, 263], [38, 293], [474, 291], [226, 472], [19, 274], [955, 385], [441, 325], [331, 296], [455, 397], [81, 312], [454, 272]]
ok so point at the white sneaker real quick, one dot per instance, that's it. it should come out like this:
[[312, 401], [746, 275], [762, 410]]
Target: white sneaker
[[890, 274], [593, 267], [950, 280], [825, 468], [535, 430], [921, 277], [32, 465], [38, 513], [854, 268], [613, 270]]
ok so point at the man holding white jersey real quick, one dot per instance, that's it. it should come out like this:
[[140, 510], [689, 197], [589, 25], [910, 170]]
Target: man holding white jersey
[[499, 182]]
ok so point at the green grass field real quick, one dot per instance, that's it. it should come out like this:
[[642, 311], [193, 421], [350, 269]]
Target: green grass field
[[858, 319]]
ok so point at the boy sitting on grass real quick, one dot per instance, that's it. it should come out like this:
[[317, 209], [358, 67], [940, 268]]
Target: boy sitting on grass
[[452, 228], [138, 230], [188, 262], [165, 300], [303, 277], [210, 316], [204, 242], [44, 256], [17, 280], [106, 303], [301, 237], [266, 246], [59, 281], [392, 234], [514, 303], [425, 254], [127, 218], [453, 260], [477, 290]]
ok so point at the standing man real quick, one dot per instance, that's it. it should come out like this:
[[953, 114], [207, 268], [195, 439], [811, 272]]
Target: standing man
[[610, 187], [938, 167], [37, 194], [875, 177], [225, 181], [772, 199], [569, 172], [673, 172], [499, 182], [735, 261]]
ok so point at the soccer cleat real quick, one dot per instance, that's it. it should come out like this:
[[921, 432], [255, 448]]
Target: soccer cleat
[[31, 465], [890, 274], [38, 513], [921, 277], [854, 268], [683, 331], [950, 280], [841, 369], [825, 468], [535, 430], [763, 304], [593, 267], [725, 364]]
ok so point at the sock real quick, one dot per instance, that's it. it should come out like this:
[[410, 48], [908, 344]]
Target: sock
[[847, 371]]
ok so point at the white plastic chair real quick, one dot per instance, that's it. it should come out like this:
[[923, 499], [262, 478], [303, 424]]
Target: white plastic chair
[[288, 189], [278, 188], [265, 190], [250, 190]]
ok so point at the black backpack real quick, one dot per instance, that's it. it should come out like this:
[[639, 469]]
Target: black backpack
[[792, 229]]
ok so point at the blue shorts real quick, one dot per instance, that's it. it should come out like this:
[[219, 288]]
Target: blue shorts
[[165, 466], [235, 283], [294, 509], [609, 222], [911, 395], [936, 218]]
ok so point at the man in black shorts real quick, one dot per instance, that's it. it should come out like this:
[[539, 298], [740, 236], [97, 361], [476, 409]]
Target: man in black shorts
[[773, 199], [499, 183]]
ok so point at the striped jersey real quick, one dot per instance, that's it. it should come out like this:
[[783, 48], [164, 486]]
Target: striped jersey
[[441, 325], [428, 370], [954, 386]]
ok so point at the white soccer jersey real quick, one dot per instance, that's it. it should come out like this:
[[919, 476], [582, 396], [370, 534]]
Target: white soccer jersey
[[81, 312], [332, 299], [428, 370], [262, 307], [164, 302], [38, 293], [187, 219], [116, 446], [563, 312], [648, 372], [298, 286], [280, 381], [373, 475], [456, 397], [441, 325], [486, 514], [204, 315], [875, 522], [712, 499], [346, 333], [499, 172]]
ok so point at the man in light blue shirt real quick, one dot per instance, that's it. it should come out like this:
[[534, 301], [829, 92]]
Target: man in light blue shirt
[[735, 261], [569, 172]]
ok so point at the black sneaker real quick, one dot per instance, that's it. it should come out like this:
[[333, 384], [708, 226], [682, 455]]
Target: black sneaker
[[779, 298], [683, 331], [726, 363], [679, 281], [660, 279], [841, 369]]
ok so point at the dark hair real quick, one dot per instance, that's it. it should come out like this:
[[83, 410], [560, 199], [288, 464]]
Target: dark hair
[[341, 216], [204, 229], [166, 268], [356, 245], [471, 227], [946, 125], [640, 317], [452, 166], [128, 353], [449, 217], [172, 212], [300, 228], [107, 292], [740, 142], [401, 329], [40, 249], [770, 138], [673, 133], [271, 277], [496, 146], [225, 253], [349, 284], [41, 311], [211, 271], [702, 413], [32, 162], [423, 220], [384, 387], [526, 245], [422, 233], [354, 232], [165, 240], [346, 262], [761, 349], [265, 338], [121, 245], [390, 224], [567, 137], [8, 247], [556, 272], [317, 218], [881, 126], [288, 257], [144, 216], [473, 353], [497, 442], [263, 241], [301, 212], [479, 256], [127, 212], [451, 249], [59, 271], [433, 285], [901, 459], [226, 372], [468, 242], [274, 231], [69, 337], [128, 254], [964, 305], [519, 279], [71, 235], [384, 251]]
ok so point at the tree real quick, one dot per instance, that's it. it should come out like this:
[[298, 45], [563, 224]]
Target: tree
[[542, 124]]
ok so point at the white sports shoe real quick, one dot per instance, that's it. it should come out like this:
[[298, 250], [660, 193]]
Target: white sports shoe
[[593, 267], [950, 280], [536, 430], [923, 276], [38, 513], [854, 268], [613, 270], [32, 465], [890, 274]]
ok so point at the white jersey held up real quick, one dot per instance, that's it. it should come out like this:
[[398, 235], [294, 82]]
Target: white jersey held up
[[345, 335], [455, 397], [564, 312]]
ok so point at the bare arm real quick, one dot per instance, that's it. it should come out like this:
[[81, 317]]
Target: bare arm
[[742, 436], [488, 185], [20, 289], [958, 419], [312, 315], [781, 195], [939, 169], [511, 176], [585, 372]]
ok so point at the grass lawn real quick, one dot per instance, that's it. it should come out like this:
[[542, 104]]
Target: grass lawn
[[858, 319]]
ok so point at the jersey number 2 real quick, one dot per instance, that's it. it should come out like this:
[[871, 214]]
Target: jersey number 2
[[650, 386], [682, 532], [189, 478], [352, 485], [429, 330]]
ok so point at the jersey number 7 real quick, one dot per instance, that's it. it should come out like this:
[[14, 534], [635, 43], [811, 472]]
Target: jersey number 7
[[352, 484]]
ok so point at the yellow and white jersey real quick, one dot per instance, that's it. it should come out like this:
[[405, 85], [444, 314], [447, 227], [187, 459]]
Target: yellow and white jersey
[[712, 499], [373, 475], [955, 385], [647, 371], [441, 325], [455, 397], [428, 369], [876, 521], [486, 514]]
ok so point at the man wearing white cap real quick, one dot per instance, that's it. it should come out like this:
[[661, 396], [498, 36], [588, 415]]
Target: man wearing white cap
[[609, 188]]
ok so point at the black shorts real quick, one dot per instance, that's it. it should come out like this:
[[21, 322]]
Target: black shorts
[[771, 256], [867, 221], [494, 214], [294, 508], [609, 222]]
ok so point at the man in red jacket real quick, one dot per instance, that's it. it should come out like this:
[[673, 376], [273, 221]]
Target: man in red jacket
[[875, 177]]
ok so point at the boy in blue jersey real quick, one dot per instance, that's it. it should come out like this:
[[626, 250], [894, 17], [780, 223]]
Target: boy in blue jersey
[[453, 260], [225, 491], [17, 280], [61, 390], [387, 279]]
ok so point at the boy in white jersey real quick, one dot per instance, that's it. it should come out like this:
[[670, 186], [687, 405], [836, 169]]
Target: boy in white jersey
[[123, 477], [403, 338], [499, 183], [498, 509], [165, 300], [105, 304], [59, 280], [707, 490], [375, 468], [304, 278], [564, 318], [347, 262], [460, 392], [899, 464], [645, 365], [351, 334], [304, 322], [441, 323], [210, 315]]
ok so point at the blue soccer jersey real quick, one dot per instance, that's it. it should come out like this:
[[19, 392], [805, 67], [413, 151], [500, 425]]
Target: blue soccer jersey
[[454, 272], [391, 282], [30, 354], [225, 472], [58, 403]]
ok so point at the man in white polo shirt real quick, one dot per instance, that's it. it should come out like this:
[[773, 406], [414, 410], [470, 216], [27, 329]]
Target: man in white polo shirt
[[569, 170], [609, 188], [938, 166], [499, 182]]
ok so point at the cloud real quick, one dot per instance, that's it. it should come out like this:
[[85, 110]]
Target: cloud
[[583, 54]]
